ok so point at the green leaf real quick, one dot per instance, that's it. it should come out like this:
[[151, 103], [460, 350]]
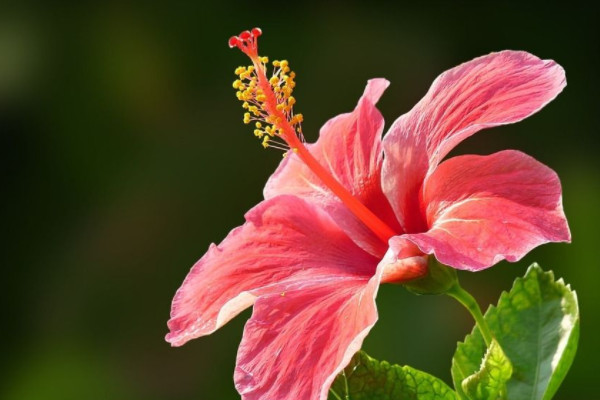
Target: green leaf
[[489, 382], [368, 379], [537, 326], [467, 360]]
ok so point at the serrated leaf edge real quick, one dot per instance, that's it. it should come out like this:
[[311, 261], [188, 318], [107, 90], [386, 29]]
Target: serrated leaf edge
[[534, 267], [488, 353]]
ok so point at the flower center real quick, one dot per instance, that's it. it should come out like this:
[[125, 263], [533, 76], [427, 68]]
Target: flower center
[[269, 103]]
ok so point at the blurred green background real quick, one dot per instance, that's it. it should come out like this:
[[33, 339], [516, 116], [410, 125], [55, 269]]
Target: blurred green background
[[124, 155]]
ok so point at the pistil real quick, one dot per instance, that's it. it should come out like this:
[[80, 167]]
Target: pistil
[[269, 101]]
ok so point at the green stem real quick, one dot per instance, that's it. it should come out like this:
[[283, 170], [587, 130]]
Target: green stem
[[471, 304]]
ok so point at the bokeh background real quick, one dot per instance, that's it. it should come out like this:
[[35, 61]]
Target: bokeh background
[[123, 155]]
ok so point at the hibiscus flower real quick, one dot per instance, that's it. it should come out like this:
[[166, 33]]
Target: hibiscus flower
[[353, 210]]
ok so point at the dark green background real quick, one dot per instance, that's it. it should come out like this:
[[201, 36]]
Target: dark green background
[[123, 155]]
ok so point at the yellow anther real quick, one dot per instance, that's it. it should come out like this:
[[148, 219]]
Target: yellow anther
[[265, 142], [268, 106], [297, 119]]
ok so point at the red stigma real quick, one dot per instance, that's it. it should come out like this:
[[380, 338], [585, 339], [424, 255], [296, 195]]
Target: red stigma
[[246, 42], [233, 41]]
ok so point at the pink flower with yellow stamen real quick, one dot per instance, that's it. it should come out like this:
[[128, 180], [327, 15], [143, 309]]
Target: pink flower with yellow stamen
[[353, 210]]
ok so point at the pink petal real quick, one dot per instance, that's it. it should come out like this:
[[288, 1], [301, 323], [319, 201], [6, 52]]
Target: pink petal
[[349, 146], [297, 341], [483, 209], [284, 241], [496, 89]]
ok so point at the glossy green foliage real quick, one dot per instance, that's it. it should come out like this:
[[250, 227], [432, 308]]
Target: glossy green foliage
[[368, 379], [537, 327], [489, 382]]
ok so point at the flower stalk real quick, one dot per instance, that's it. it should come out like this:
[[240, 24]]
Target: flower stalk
[[468, 301]]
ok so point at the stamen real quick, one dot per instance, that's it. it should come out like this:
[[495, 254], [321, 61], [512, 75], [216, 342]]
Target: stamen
[[269, 103], [266, 101]]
